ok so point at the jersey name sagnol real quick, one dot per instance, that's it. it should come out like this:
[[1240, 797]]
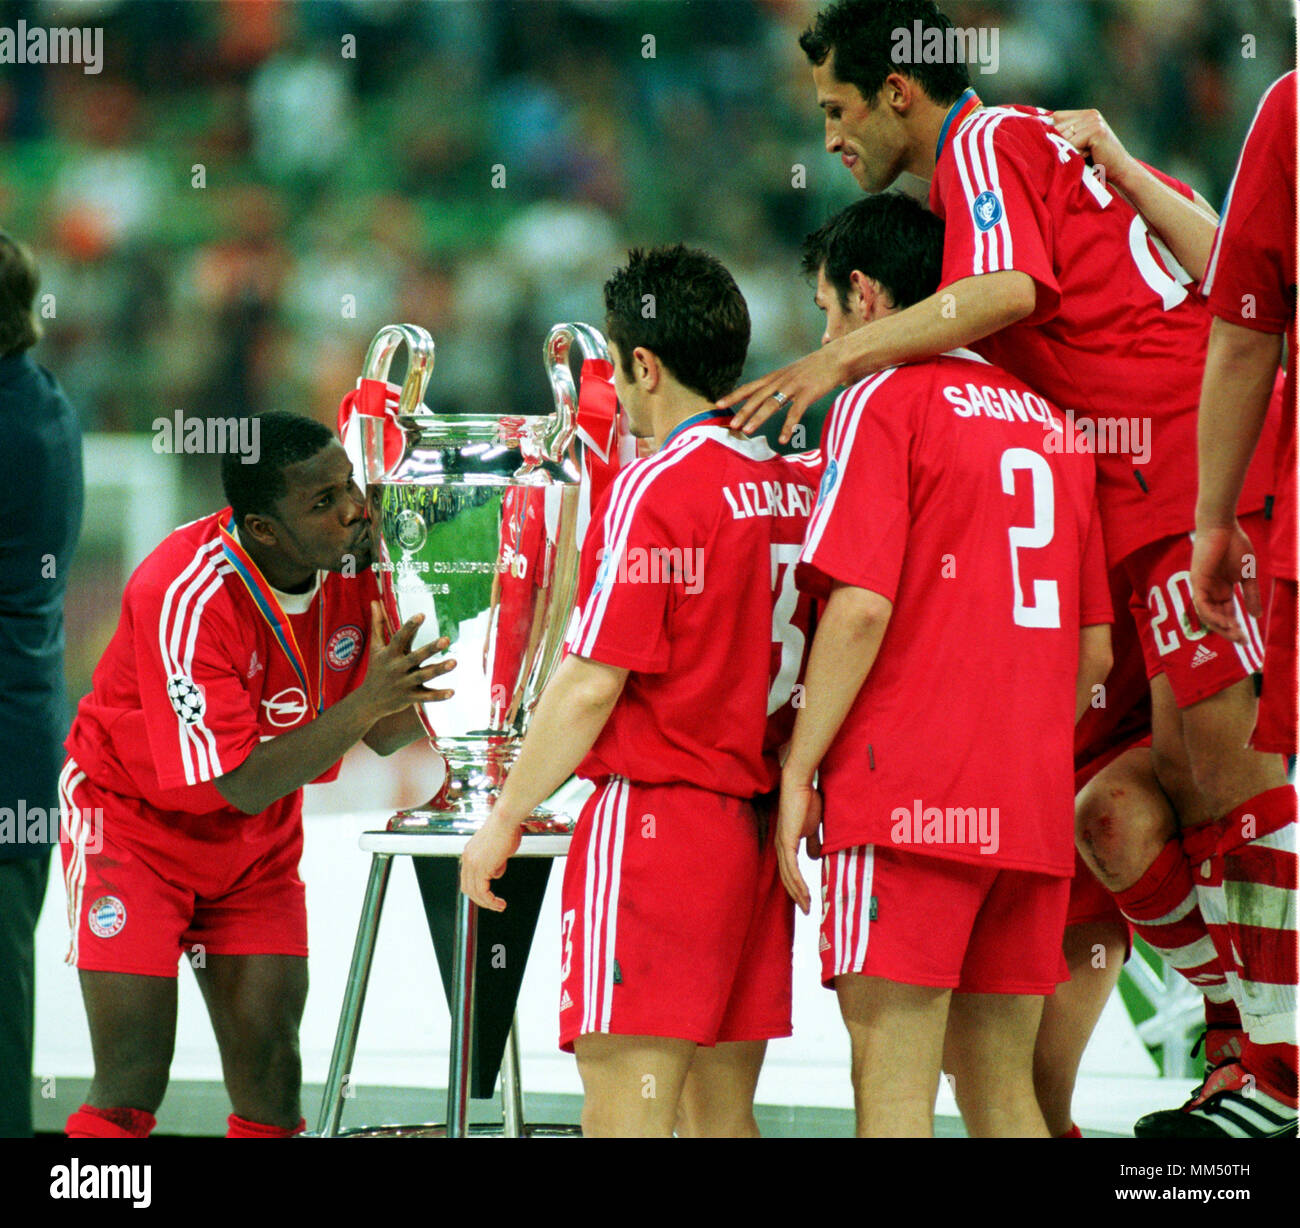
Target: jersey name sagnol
[[767, 499], [1005, 404]]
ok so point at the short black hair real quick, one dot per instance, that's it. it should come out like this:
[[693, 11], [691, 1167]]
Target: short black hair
[[682, 305], [20, 278], [283, 439], [890, 237], [861, 35]]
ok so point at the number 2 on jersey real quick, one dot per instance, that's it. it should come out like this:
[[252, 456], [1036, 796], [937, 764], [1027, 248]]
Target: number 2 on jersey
[[1046, 609]]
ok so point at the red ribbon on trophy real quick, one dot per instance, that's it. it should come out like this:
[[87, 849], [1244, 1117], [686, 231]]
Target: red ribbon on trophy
[[375, 398], [602, 425]]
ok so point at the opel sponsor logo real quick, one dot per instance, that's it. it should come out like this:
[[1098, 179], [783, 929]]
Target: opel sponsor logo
[[287, 708]]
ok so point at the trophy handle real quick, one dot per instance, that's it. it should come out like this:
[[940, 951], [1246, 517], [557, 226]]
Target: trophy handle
[[419, 366], [560, 428]]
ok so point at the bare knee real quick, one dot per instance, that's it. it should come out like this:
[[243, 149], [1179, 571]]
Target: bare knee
[[603, 1118], [1120, 829], [137, 1082], [263, 1070], [696, 1120]]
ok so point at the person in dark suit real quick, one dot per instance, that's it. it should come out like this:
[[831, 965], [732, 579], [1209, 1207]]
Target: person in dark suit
[[41, 497]]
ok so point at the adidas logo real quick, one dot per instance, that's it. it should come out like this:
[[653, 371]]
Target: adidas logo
[[1202, 655], [824, 944], [566, 1002]]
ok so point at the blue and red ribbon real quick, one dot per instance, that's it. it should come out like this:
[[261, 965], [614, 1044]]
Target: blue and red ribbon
[[269, 606]]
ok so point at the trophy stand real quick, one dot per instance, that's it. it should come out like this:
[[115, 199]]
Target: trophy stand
[[537, 850]]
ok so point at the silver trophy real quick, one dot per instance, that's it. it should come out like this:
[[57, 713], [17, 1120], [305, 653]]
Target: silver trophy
[[474, 522]]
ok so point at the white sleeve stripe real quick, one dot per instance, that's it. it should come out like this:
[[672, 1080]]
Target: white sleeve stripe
[[1207, 282], [1003, 228], [200, 726], [202, 558], [628, 501], [198, 747], [186, 616], [625, 483], [840, 456], [978, 174], [963, 173], [620, 493]]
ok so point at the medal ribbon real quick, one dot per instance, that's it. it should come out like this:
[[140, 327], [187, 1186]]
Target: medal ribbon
[[957, 114], [269, 606]]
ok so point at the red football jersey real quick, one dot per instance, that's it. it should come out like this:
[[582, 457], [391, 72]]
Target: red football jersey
[[687, 580], [948, 492], [1118, 334], [193, 678], [1251, 281]]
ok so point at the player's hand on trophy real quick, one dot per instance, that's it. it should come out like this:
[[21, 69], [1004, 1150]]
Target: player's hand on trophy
[[799, 817], [1091, 135], [396, 674], [1221, 559], [485, 858], [793, 388]]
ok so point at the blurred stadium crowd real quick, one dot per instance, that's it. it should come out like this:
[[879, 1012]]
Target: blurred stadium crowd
[[325, 175]]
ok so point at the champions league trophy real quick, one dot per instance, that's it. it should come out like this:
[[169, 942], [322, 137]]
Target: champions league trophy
[[474, 523]]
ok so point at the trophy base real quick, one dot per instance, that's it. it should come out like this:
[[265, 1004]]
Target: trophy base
[[456, 822], [477, 764]]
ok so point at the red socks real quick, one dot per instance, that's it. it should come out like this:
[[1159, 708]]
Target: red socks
[[1072, 1132], [90, 1122], [237, 1127]]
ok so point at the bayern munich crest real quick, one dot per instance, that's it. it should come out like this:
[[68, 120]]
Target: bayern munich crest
[[186, 697], [107, 916], [343, 647]]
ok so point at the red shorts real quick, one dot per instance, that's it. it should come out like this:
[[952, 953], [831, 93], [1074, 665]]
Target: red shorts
[[143, 886], [1197, 662], [931, 921], [1276, 725], [673, 921]]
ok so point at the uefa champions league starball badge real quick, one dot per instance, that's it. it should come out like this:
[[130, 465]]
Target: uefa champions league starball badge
[[186, 698]]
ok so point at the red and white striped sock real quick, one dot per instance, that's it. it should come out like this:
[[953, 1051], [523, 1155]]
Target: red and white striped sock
[[1245, 873], [1163, 907]]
